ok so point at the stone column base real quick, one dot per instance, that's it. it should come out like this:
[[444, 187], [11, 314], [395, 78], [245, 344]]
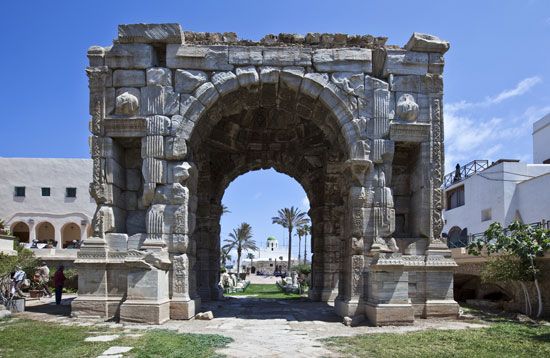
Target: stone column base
[[390, 314], [440, 308], [325, 295], [184, 309], [142, 311], [96, 307], [347, 308]]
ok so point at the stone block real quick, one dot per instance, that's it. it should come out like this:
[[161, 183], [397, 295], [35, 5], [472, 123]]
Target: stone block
[[343, 60], [96, 56], [400, 62], [159, 100], [190, 107], [245, 55], [188, 80], [130, 56], [126, 104], [159, 76], [287, 56], [128, 78], [269, 75], [158, 125], [175, 148], [154, 170], [196, 57], [418, 84], [135, 224], [133, 179], [207, 94], [117, 242], [426, 43], [152, 147], [171, 194], [390, 314], [183, 309], [136, 240], [150, 33], [436, 64], [225, 82], [247, 76]]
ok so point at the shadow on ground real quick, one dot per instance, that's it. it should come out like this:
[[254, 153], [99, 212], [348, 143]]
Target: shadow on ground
[[299, 310], [50, 308]]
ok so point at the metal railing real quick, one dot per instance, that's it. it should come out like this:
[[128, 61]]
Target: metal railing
[[465, 241], [465, 172]]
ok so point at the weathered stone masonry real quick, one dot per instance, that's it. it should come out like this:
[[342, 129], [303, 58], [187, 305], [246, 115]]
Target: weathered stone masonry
[[177, 116]]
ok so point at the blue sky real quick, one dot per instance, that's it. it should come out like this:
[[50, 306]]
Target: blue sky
[[497, 74]]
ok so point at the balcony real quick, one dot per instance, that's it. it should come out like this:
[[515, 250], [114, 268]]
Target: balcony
[[464, 172]]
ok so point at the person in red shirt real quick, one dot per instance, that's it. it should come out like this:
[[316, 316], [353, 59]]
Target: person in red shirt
[[59, 281]]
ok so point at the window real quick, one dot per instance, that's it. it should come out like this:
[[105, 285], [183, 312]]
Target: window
[[486, 214], [19, 191], [45, 191], [455, 197], [71, 193]]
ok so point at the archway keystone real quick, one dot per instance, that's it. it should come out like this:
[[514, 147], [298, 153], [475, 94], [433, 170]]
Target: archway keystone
[[356, 123]]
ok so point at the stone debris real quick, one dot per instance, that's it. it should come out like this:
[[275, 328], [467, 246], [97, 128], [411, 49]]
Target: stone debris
[[207, 316]]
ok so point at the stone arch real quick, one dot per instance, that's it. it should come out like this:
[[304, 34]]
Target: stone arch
[[338, 121], [20, 230], [70, 232], [45, 231]]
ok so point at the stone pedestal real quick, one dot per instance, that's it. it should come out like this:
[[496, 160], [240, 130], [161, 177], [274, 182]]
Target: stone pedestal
[[348, 308], [101, 280], [184, 309], [388, 292], [147, 298], [439, 292]]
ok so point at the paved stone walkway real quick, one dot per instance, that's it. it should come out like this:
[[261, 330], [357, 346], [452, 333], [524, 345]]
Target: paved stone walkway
[[261, 327]]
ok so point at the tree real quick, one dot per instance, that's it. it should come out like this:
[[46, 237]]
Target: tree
[[250, 256], [225, 209], [224, 256], [306, 230], [521, 242], [290, 218], [240, 239]]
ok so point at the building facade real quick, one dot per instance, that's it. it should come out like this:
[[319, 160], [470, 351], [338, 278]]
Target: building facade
[[270, 259], [46, 199], [479, 194]]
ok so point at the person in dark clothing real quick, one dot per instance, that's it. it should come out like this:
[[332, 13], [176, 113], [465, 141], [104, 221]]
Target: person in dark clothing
[[59, 281]]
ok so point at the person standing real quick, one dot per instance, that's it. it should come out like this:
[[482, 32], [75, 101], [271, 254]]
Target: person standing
[[59, 281], [18, 279], [44, 278]]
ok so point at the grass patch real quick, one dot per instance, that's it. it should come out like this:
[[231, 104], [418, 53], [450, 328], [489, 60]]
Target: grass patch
[[26, 338], [504, 338], [265, 291]]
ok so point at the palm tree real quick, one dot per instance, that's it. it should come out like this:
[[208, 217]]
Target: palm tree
[[290, 218], [240, 239], [225, 209], [225, 256], [302, 232], [306, 229], [250, 256]]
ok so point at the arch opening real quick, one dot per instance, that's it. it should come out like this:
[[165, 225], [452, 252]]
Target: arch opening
[[21, 231], [45, 232], [272, 127], [70, 235]]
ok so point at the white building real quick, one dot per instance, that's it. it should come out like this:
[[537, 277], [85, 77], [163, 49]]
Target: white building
[[507, 190], [269, 259], [46, 199], [541, 136]]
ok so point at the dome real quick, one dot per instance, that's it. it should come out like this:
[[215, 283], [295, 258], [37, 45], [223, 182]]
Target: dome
[[271, 238]]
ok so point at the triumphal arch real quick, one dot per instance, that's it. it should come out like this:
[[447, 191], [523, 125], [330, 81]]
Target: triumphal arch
[[176, 116]]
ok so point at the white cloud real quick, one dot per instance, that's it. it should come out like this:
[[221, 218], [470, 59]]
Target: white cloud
[[305, 202], [521, 88]]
